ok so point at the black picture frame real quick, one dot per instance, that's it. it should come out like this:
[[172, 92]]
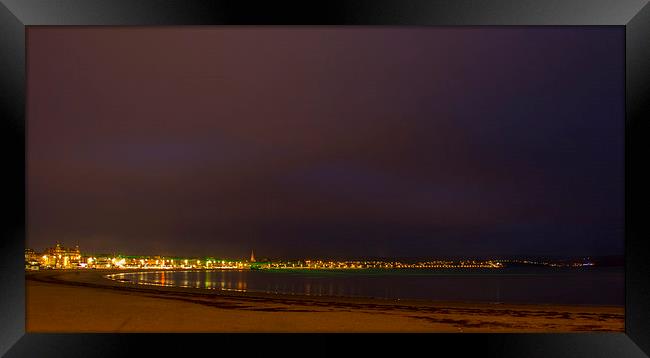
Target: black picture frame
[[633, 15]]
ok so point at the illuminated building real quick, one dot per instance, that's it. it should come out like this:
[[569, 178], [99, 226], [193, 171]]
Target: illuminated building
[[102, 261], [252, 256], [31, 260], [31, 255], [61, 257]]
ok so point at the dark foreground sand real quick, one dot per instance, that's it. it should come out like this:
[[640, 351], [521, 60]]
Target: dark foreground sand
[[84, 301]]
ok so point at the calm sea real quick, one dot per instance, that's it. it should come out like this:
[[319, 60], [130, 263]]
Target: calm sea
[[593, 286]]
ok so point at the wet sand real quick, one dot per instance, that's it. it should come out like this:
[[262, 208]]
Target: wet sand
[[85, 301]]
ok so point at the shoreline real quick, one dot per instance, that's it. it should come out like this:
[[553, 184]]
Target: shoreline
[[230, 311], [97, 279]]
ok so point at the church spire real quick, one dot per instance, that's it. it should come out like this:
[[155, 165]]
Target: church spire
[[252, 256]]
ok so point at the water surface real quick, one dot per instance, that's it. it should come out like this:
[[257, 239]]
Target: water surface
[[592, 286]]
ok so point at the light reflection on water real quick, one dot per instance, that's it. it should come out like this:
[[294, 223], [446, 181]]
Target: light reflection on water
[[158, 278], [592, 286]]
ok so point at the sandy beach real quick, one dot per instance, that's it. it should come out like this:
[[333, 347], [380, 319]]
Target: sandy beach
[[85, 301]]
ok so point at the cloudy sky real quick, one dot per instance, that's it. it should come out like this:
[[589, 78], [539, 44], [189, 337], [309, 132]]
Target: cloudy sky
[[325, 141]]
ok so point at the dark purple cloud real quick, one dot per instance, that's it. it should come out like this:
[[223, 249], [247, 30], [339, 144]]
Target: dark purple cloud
[[327, 141]]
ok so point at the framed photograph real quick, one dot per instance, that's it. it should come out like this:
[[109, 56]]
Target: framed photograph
[[469, 175]]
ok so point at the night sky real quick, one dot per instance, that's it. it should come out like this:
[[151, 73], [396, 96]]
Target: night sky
[[326, 142]]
